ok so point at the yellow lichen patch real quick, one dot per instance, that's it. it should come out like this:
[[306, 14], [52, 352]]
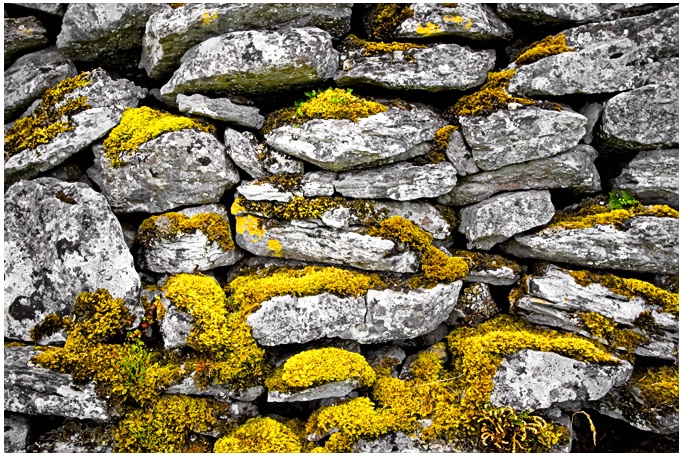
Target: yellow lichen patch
[[172, 225], [176, 5], [426, 30], [593, 215], [140, 125], [338, 104], [453, 19], [261, 434], [306, 208], [492, 96], [275, 247], [469, 23], [548, 46], [386, 17], [605, 328], [374, 48], [657, 386], [50, 118], [209, 17], [442, 136], [598, 325], [250, 225]]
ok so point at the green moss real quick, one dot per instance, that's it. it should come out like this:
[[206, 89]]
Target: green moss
[[548, 46], [170, 226], [384, 18], [590, 215], [492, 96], [140, 125], [261, 434], [374, 48]]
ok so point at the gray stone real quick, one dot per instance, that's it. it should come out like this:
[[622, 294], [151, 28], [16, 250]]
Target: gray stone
[[257, 159], [107, 98], [175, 326], [60, 239], [318, 184], [17, 429], [76, 437], [22, 35], [475, 305], [33, 390], [30, 75], [579, 13], [185, 167], [592, 112], [643, 243], [221, 109], [255, 62], [533, 380], [644, 118], [459, 155], [573, 170], [496, 219], [224, 394], [652, 177], [171, 33], [379, 316], [330, 390], [436, 68], [97, 31], [341, 144], [54, 9], [70, 172]]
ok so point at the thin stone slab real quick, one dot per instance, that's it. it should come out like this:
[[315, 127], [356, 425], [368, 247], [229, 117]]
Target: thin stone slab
[[221, 109], [330, 390], [258, 159], [652, 177], [225, 394], [22, 35], [579, 13]]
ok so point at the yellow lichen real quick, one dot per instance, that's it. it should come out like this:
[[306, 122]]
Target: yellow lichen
[[172, 225], [250, 225], [492, 96], [657, 386], [605, 328], [548, 46], [261, 434], [176, 5], [426, 30], [592, 215], [506, 430], [374, 48], [209, 17], [384, 18], [442, 137], [275, 247]]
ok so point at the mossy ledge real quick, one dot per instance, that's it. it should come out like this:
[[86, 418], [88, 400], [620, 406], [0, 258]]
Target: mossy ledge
[[369, 48], [261, 434], [589, 215], [491, 97], [170, 226], [548, 46]]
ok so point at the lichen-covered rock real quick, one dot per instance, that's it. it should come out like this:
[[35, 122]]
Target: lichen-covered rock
[[573, 170], [376, 317], [175, 326], [34, 390], [171, 33], [255, 62], [459, 155], [60, 239], [490, 269], [17, 429], [100, 31], [652, 177], [338, 389], [496, 219], [22, 35], [224, 394], [76, 437], [257, 159], [221, 109], [30, 75], [507, 137], [535, 380], [554, 13], [341, 144], [644, 118], [475, 305]]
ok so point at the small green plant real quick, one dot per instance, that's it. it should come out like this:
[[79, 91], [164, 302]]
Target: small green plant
[[619, 199]]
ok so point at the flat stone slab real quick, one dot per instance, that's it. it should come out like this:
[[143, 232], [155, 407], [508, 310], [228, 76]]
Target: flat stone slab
[[22, 35], [224, 394], [221, 109], [330, 390], [554, 13], [652, 177]]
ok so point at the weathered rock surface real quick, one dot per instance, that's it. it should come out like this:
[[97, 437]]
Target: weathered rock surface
[[459, 155], [171, 33], [626, 53], [592, 112], [76, 437], [475, 305], [255, 62], [430, 69], [17, 429], [22, 35], [224, 394], [490, 269], [30, 75], [496, 219], [341, 144], [257, 159], [553, 13], [185, 167], [107, 98], [535, 380], [379, 316], [506, 137], [644, 118], [60, 239], [652, 177], [387, 354], [55, 9], [643, 243], [99, 31], [573, 170], [34, 390], [221, 109], [330, 390], [187, 252], [175, 326], [400, 442]]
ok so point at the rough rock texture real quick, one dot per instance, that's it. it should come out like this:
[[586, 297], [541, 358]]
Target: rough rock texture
[[475, 305], [506, 137], [652, 177], [257, 159], [643, 243], [175, 326], [626, 53], [255, 62], [60, 239], [221, 109], [185, 167], [98, 31], [17, 428], [592, 112], [330, 390], [34, 390], [172, 32], [400, 442], [492, 269], [30, 75], [496, 219], [553, 13], [76, 437], [55, 9], [534, 380], [334, 144], [644, 118], [430, 69], [378, 316], [459, 155], [573, 170], [188, 252], [107, 97], [22, 35], [224, 394]]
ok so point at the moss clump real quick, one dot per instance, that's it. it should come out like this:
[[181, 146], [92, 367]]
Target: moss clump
[[261, 434], [140, 125], [591, 215], [480, 261], [658, 387], [286, 182], [373, 48], [442, 136], [383, 19], [604, 328], [50, 118], [492, 96], [170, 226], [506, 430], [548, 46]]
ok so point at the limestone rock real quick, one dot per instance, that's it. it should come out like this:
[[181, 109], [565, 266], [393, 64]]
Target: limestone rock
[[436, 68], [175, 326], [652, 177], [475, 305], [100, 31], [31, 74], [60, 239], [330, 390], [490, 269], [171, 33], [76, 437], [34, 390], [22, 35], [592, 112], [579, 13], [341, 144], [573, 169], [17, 429], [498, 218], [459, 155], [221, 109], [535, 380], [644, 118], [255, 62], [185, 167], [224, 394]]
